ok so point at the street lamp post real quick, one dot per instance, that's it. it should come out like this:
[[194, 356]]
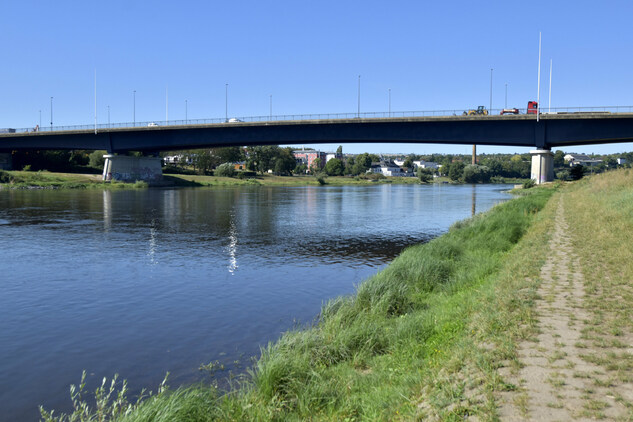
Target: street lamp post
[[186, 116], [108, 116], [506, 106], [134, 112], [271, 108], [359, 96], [490, 109], [389, 102], [226, 102], [51, 114], [40, 126]]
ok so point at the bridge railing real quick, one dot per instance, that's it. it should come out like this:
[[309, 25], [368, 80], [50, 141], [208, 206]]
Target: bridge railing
[[318, 116]]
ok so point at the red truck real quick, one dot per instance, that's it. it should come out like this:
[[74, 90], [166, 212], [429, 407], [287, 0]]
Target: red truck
[[532, 107]]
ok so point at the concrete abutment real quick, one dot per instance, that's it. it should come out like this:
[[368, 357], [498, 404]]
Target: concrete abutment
[[130, 169], [542, 166]]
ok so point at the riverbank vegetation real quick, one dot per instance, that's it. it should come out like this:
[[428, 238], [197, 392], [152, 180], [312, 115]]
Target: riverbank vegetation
[[48, 180], [421, 339]]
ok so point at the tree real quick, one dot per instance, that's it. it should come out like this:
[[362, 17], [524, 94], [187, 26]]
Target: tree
[[96, 159], [476, 174], [315, 167], [339, 151], [225, 170], [228, 154], [334, 167], [456, 170], [576, 172], [204, 161], [425, 175], [559, 158]]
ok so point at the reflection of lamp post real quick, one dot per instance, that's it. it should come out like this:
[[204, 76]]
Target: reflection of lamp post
[[51, 113]]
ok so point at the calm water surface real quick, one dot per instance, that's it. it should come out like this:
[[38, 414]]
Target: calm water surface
[[144, 282]]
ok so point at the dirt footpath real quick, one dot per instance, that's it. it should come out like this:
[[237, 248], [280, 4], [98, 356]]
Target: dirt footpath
[[564, 376]]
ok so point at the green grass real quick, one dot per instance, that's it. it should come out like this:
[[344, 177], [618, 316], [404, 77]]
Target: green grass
[[422, 338], [48, 180]]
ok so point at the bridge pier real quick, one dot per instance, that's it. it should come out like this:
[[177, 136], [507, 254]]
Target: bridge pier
[[130, 169], [6, 162], [542, 165]]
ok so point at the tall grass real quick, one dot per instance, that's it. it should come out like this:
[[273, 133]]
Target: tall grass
[[388, 352]]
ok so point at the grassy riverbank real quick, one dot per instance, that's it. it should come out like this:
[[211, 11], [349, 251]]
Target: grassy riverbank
[[48, 180], [422, 338]]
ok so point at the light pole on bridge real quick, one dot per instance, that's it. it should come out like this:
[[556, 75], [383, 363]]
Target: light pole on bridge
[[490, 108], [134, 108], [51, 114], [359, 96], [186, 116], [271, 108], [389, 102], [226, 102]]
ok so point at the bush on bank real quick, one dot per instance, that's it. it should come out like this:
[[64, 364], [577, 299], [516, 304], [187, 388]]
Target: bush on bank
[[368, 356]]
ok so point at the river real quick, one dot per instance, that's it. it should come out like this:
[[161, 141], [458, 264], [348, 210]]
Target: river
[[141, 282]]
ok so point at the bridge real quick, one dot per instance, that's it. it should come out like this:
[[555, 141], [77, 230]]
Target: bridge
[[551, 130]]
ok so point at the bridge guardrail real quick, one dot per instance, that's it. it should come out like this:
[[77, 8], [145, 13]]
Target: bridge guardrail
[[321, 116]]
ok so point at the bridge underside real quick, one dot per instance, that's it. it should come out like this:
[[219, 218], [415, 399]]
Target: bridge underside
[[516, 130], [523, 130]]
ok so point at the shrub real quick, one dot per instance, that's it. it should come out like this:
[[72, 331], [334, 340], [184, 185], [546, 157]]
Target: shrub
[[529, 184], [26, 167], [246, 174], [321, 180], [95, 159], [225, 170], [5, 177], [577, 172]]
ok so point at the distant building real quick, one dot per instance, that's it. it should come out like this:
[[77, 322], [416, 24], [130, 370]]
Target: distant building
[[387, 168], [580, 159], [426, 164], [178, 159], [240, 165], [307, 157], [621, 161]]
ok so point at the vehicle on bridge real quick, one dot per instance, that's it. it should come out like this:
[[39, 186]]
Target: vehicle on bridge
[[481, 111], [509, 111], [532, 107]]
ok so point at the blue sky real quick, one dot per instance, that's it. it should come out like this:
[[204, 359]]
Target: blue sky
[[308, 55]]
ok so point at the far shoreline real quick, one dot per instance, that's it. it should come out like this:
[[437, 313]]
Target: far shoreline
[[14, 179]]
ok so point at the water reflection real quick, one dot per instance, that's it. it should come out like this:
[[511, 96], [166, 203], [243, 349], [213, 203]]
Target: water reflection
[[232, 248], [139, 282]]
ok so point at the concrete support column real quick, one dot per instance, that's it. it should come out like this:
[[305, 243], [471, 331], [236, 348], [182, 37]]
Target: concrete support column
[[542, 165], [131, 169], [6, 162]]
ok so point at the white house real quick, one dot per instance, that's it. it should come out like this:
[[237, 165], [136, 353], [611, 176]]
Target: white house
[[388, 168], [426, 164], [621, 161], [582, 159]]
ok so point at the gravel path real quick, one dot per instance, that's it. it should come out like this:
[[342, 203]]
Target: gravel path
[[560, 378]]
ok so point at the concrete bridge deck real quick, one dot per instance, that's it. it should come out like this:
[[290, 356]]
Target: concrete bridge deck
[[552, 130]]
